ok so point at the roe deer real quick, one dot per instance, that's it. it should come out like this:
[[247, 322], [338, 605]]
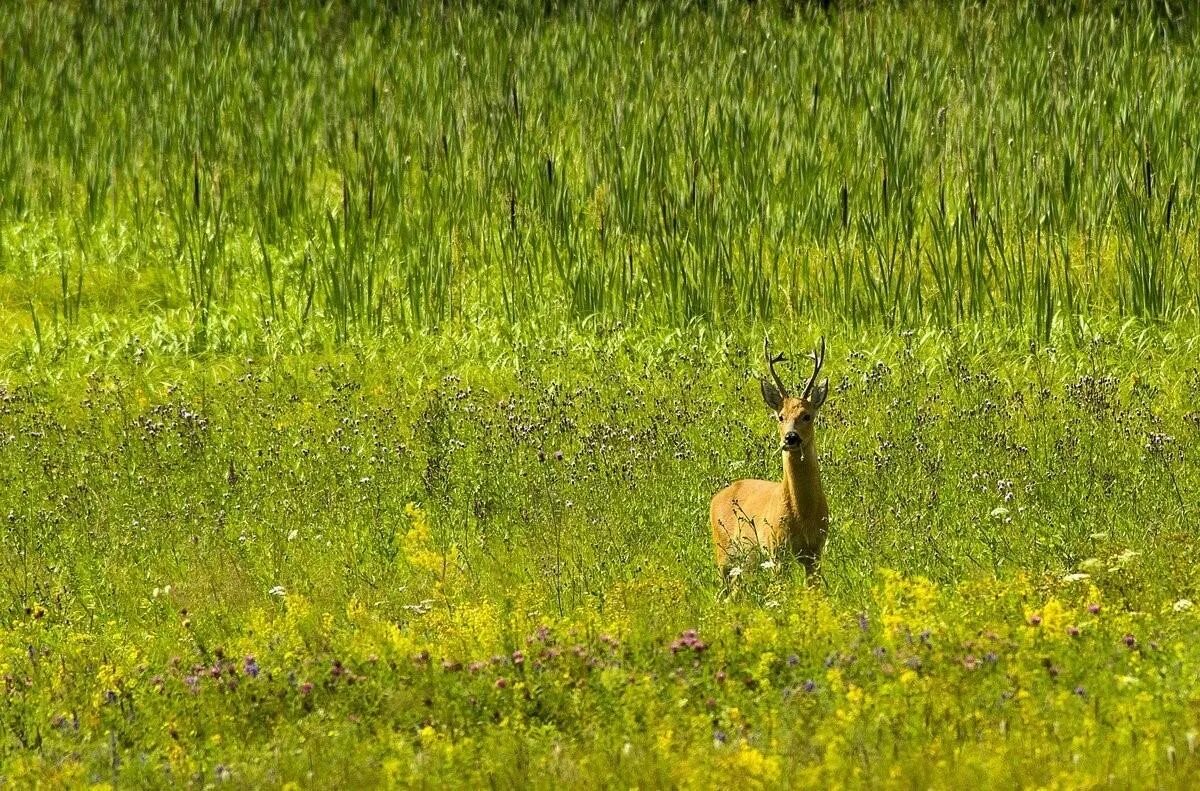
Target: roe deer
[[770, 515]]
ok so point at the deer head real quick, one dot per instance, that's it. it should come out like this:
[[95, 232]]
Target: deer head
[[795, 413]]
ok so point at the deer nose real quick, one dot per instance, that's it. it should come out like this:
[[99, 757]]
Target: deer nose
[[791, 439]]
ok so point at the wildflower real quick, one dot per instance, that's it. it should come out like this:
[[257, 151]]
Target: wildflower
[[793, 660], [250, 667], [1093, 608], [558, 455], [1183, 605], [809, 686], [863, 622], [688, 640], [1072, 631], [1035, 620], [193, 683], [718, 737], [1080, 691], [306, 688], [735, 572], [222, 772], [518, 658], [278, 590], [990, 657], [970, 662], [1078, 576], [767, 565], [501, 682], [720, 676], [1129, 640]]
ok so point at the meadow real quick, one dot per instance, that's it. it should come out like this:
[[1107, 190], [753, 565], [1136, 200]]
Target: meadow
[[364, 380]]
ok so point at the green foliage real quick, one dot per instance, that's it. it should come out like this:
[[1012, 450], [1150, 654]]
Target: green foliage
[[365, 376], [166, 521], [317, 173]]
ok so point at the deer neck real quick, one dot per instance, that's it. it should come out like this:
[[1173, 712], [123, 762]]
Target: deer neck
[[802, 490]]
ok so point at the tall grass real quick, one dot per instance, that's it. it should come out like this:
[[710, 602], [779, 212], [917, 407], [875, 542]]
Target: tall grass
[[316, 170]]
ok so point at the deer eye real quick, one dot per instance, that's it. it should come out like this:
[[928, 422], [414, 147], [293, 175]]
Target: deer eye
[[806, 417], [779, 417]]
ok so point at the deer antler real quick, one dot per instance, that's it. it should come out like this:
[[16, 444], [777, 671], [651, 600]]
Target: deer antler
[[818, 358], [771, 360]]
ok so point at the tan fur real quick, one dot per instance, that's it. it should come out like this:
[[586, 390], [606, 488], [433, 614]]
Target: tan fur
[[750, 517]]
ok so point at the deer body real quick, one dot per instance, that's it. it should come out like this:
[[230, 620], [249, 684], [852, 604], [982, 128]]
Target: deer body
[[771, 516]]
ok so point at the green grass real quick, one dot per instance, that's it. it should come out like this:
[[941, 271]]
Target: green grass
[[153, 509], [364, 380], [332, 175]]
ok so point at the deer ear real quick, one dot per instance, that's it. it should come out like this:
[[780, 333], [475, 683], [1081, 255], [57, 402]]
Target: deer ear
[[771, 395], [819, 394]]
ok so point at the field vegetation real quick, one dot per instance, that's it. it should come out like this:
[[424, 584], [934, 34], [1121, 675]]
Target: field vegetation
[[364, 378]]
